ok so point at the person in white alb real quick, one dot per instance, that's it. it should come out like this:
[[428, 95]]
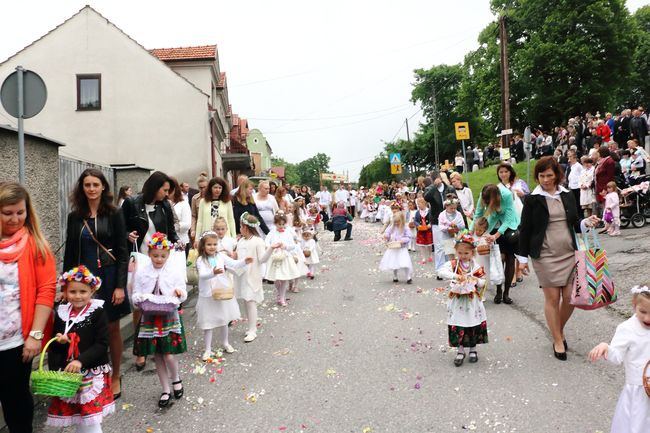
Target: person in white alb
[[342, 195], [353, 204], [324, 199], [573, 179]]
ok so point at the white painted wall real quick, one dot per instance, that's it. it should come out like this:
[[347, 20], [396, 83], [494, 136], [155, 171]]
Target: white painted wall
[[150, 116]]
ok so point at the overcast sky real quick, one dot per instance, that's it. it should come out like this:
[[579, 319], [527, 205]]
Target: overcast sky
[[332, 77]]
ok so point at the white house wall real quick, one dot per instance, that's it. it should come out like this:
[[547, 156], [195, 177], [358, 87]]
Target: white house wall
[[149, 115]]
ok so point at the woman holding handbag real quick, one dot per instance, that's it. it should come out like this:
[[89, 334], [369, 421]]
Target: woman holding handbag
[[549, 222], [96, 238]]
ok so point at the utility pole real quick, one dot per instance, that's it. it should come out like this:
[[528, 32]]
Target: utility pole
[[408, 135], [505, 80], [435, 133]]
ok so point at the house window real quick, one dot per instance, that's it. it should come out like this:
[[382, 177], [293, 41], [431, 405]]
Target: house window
[[89, 92]]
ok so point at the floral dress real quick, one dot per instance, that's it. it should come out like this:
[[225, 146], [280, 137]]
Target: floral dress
[[466, 317]]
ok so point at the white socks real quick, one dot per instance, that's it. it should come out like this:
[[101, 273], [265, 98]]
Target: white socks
[[207, 338], [251, 313], [281, 289], [223, 335], [94, 428]]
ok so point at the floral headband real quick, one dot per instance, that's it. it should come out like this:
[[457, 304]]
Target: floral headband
[[244, 220], [465, 237], [209, 233], [637, 290], [159, 241], [450, 201], [80, 274]]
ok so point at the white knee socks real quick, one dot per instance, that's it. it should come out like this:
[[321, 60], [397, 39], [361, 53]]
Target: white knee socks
[[207, 338], [94, 428], [251, 313], [223, 335]]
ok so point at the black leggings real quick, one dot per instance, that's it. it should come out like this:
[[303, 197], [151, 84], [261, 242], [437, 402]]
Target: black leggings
[[15, 396]]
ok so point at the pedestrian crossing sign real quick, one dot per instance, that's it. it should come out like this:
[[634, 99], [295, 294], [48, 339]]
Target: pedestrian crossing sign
[[395, 158]]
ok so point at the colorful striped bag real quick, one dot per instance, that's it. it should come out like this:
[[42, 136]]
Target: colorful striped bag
[[593, 286]]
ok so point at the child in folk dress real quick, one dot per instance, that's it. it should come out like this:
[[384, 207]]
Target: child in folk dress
[[248, 280], [613, 227], [410, 221], [631, 347], [482, 245], [450, 223], [310, 252], [397, 256], [161, 335], [466, 317], [215, 313], [424, 239], [283, 266], [81, 328]]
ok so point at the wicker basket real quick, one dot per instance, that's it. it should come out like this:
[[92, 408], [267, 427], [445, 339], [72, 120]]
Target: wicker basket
[[152, 308], [411, 225], [54, 383], [646, 379], [394, 245], [223, 293], [483, 250], [307, 253]]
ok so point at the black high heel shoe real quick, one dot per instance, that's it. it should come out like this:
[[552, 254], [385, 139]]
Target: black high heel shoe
[[119, 394], [178, 393], [559, 355], [566, 346]]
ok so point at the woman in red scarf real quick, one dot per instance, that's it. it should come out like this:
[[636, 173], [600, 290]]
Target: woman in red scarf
[[28, 285]]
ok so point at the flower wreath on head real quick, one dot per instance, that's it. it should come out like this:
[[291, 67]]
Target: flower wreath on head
[[465, 237], [637, 290], [159, 241], [451, 200], [80, 274], [244, 220], [209, 233]]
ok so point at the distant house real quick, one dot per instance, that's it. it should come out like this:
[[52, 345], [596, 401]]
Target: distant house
[[112, 102], [260, 151]]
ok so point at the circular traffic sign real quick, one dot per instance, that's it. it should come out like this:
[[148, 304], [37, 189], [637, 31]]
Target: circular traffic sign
[[34, 90]]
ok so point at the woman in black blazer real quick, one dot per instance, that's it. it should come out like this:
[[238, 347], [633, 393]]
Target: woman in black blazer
[[549, 222], [96, 238]]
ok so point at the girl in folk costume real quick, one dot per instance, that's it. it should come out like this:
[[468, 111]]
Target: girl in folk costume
[[397, 256], [248, 280], [450, 222], [310, 251], [631, 347], [284, 262], [225, 243], [410, 221], [161, 334], [466, 318], [424, 238], [212, 308], [313, 219], [81, 328]]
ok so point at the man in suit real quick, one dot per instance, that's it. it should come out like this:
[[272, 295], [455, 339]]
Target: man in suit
[[435, 195], [638, 127], [188, 192]]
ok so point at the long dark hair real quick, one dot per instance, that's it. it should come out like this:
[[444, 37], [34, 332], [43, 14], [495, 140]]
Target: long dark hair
[[79, 202], [511, 170], [175, 188], [225, 190], [153, 184]]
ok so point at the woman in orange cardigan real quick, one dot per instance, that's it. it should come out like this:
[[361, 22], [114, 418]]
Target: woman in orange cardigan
[[28, 286]]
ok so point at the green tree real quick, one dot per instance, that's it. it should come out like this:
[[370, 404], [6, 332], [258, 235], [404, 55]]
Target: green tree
[[290, 171], [378, 170], [639, 83]]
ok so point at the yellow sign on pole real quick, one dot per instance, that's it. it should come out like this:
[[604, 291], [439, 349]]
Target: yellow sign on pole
[[396, 169], [462, 130]]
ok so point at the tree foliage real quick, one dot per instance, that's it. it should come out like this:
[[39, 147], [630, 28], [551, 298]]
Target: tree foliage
[[377, 170], [306, 172]]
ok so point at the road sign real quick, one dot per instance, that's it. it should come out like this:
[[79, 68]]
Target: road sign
[[506, 132], [396, 169], [34, 90], [462, 130], [395, 158]]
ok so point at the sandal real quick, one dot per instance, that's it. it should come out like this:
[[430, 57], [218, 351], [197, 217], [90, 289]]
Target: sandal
[[140, 366], [520, 279], [178, 393], [460, 357], [473, 357], [164, 402]]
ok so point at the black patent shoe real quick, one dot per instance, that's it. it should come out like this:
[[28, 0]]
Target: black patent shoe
[[395, 280], [409, 281], [559, 355], [458, 361], [498, 297], [164, 402], [178, 393], [507, 300], [473, 357]]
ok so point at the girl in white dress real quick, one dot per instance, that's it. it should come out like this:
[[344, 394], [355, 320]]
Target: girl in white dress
[[310, 251], [211, 267], [397, 256], [248, 281], [410, 221], [466, 317], [631, 347], [225, 243], [283, 266], [450, 222]]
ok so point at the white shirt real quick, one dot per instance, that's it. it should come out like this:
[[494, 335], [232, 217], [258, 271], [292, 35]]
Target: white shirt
[[184, 217], [11, 330], [574, 176], [342, 195], [324, 198]]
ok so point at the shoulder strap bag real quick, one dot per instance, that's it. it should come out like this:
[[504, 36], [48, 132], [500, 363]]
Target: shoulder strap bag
[[99, 244]]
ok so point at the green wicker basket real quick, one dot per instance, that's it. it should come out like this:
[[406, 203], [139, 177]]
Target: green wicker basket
[[54, 383]]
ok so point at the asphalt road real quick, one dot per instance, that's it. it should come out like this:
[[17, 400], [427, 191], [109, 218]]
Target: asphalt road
[[354, 352]]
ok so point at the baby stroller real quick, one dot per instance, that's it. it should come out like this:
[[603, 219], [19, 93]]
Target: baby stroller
[[635, 205]]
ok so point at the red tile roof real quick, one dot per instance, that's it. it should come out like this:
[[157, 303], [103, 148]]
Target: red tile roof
[[222, 80], [204, 52]]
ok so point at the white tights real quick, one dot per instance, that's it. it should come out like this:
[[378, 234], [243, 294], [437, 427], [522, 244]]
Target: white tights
[[407, 271], [425, 252], [281, 290], [222, 336], [167, 369], [94, 428], [251, 315]]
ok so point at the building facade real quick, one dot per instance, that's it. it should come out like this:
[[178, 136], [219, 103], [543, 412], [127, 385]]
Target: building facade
[[260, 151]]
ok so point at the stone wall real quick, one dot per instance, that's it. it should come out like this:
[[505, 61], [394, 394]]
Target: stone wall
[[41, 176], [133, 177]]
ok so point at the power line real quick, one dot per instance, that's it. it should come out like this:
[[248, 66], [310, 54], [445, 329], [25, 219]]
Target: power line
[[327, 118]]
